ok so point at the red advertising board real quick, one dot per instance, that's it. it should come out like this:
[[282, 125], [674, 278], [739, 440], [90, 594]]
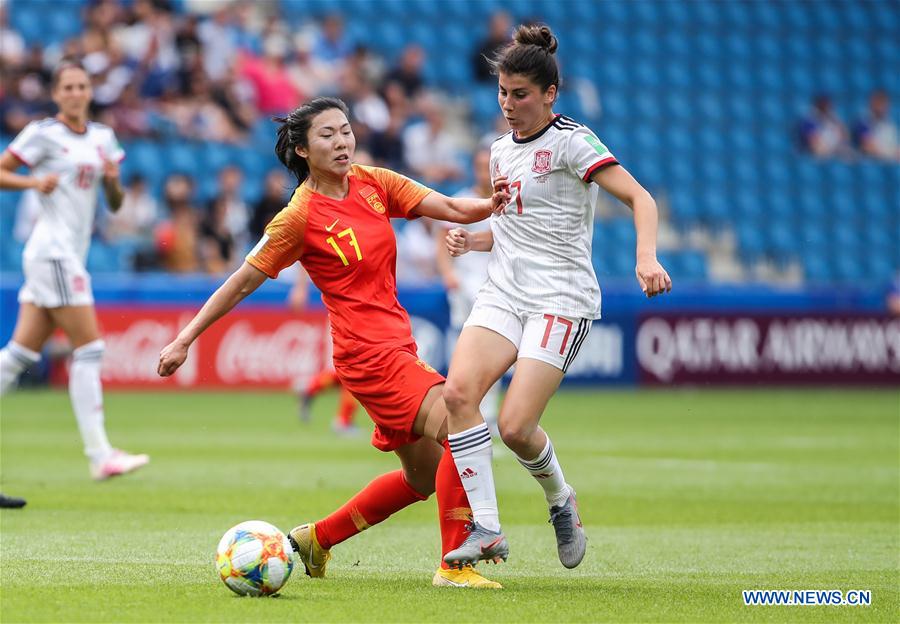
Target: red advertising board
[[256, 347], [768, 349]]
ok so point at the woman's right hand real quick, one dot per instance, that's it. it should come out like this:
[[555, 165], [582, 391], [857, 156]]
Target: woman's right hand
[[171, 357], [459, 241], [46, 184]]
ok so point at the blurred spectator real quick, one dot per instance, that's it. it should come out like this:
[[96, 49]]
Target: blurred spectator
[[822, 133], [430, 151], [176, 237], [235, 215], [387, 147], [876, 132], [369, 113], [103, 14], [332, 45], [501, 127], [219, 38], [203, 118], [499, 35], [130, 117], [190, 51], [12, 45], [308, 73], [113, 78], [370, 66], [274, 198], [416, 259], [236, 98], [275, 92], [137, 216], [149, 41], [24, 99], [408, 72], [217, 247]]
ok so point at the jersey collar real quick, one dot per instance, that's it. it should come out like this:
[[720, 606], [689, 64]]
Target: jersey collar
[[536, 135]]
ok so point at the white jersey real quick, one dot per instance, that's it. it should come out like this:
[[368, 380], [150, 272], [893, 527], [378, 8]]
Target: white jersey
[[63, 228], [541, 259]]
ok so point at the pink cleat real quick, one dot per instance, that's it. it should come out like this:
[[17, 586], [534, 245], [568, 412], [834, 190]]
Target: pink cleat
[[118, 463]]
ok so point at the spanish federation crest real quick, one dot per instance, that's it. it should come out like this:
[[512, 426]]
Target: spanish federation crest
[[542, 161]]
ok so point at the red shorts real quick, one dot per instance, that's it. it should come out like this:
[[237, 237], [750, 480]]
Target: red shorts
[[391, 386]]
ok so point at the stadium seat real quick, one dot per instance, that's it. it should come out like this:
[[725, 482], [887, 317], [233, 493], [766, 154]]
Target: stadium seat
[[816, 269]]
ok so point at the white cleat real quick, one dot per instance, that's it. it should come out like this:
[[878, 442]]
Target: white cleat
[[118, 463]]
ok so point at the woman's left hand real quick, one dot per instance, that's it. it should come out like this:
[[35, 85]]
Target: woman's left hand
[[652, 277], [171, 357], [501, 195]]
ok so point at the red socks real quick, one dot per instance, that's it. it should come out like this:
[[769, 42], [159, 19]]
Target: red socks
[[390, 493], [324, 380], [346, 407], [454, 512], [384, 496]]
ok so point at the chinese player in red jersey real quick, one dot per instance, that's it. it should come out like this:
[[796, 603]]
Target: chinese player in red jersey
[[337, 225]]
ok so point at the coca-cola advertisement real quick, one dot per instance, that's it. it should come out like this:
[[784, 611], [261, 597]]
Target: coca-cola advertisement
[[253, 347], [771, 349]]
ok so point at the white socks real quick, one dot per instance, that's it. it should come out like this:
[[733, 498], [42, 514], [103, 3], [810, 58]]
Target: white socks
[[14, 358], [86, 394], [546, 469], [472, 452]]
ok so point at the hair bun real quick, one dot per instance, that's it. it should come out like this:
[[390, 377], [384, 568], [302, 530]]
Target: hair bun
[[537, 35]]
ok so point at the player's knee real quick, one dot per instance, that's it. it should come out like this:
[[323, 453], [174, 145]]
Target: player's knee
[[516, 436], [457, 396]]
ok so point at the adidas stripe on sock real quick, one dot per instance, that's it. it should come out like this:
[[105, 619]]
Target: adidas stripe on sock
[[546, 470], [472, 453]]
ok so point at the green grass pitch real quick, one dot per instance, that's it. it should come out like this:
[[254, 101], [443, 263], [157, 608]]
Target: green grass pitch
[[688, 497]]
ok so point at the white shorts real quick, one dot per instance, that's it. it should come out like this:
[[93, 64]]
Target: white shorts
[[546, 337], [56, 282]]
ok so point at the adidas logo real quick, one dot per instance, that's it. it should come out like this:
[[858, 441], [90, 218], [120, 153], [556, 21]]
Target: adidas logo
[[468, 472]]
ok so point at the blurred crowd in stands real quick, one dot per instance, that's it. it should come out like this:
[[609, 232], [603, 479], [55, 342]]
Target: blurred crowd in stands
[[213, 73], [824, 134]]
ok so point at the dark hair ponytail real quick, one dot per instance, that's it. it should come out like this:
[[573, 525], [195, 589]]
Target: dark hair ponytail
[[531, 53], [294, 132]]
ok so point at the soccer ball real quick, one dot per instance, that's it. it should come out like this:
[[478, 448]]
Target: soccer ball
[[254, 558]]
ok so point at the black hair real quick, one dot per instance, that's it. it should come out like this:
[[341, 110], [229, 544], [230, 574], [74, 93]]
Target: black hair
[[532, 54], [294, 132], [63, 65]]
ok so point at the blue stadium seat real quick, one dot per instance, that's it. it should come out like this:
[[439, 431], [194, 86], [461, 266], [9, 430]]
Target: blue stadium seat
[[11, 255], [182, 157], [848, 268], [816, 268], [781, 242], [102, 258], [751, 243], [694, 266]]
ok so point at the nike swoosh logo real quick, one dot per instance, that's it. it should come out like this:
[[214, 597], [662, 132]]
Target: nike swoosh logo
[[328, 228], [455, 584], [491, 545]]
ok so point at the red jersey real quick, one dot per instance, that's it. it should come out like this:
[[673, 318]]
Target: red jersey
[[349, 250]]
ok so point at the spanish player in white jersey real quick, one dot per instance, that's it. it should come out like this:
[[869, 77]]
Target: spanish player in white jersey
[[464, 275], [70, 158], [541, 296]]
